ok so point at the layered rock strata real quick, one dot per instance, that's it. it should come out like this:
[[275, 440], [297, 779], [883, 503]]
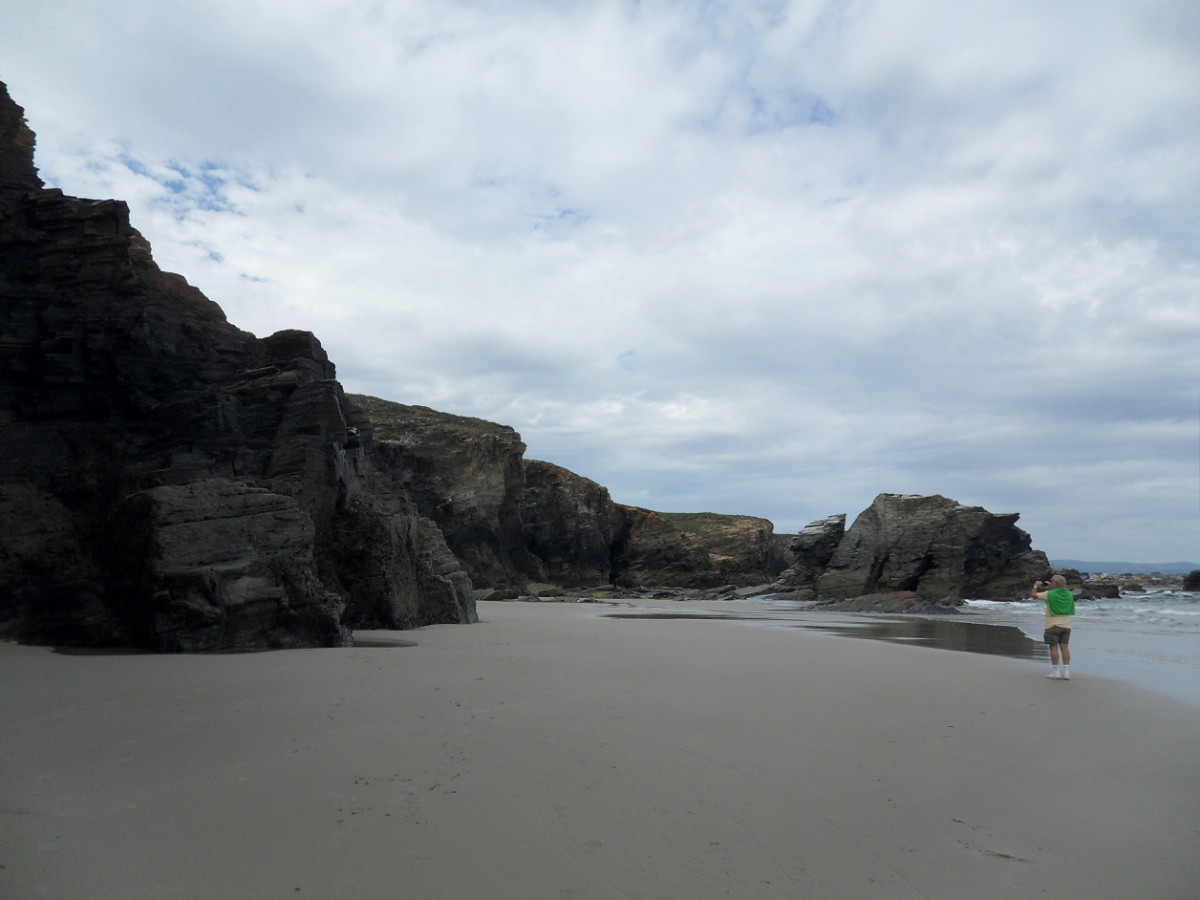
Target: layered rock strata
[[467, 475], [811, 550], [572, 527], [695, 549], [166, 479], [934, 548]]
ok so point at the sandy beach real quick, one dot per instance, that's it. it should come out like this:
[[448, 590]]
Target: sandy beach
[[551, 751]]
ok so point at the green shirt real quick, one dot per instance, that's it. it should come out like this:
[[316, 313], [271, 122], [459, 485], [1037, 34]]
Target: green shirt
[[1060, 602]]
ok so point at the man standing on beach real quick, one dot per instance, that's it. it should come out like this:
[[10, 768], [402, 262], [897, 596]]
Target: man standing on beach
[[1060, 606]]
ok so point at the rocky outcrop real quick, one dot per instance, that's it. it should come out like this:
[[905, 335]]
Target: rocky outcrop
[[571, 526], [465, 474], [171, 481], [651, 550], [1098, 590], [397, 571], [891, 602], [18, 175], [811, 550], [695, 550], [217, 564], [512, 521], [933, 547]]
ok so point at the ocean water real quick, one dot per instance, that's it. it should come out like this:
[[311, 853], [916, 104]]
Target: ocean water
[[1151, 639]]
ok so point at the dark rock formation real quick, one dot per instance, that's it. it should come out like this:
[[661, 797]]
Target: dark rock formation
[[18, 175], [512, 521], [695, 549], [217, 564], [167, 479], [465, 474], [811, 550], [397, 569], [1191, 581], [571, 526], [1099, 590], [889, 602], [935, 548]]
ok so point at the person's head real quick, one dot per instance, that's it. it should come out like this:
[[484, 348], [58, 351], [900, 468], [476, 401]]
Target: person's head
[[1057, 581]]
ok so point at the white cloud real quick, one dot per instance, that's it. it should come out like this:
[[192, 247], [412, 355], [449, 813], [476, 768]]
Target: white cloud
[[769, 258]]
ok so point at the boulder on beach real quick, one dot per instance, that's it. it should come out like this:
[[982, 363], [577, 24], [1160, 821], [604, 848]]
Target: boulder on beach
[[934, 547]]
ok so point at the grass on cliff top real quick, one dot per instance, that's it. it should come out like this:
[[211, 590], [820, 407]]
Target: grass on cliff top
[[396, 421], [702, 523]]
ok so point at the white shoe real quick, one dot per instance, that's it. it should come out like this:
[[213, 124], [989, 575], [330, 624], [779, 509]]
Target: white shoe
[[1054, 674], [1066, 675]]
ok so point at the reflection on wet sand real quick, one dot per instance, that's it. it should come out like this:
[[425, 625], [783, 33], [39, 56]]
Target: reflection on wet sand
[[945, 634]]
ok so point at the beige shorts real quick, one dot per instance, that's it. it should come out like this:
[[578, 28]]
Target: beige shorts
[[1056, 634]]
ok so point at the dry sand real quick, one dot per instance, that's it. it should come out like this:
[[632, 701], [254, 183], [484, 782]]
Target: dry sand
[[551, 752]]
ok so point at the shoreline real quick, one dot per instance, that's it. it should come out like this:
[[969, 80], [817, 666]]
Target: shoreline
[[1107, 652], [1101, 651], [551, 751]]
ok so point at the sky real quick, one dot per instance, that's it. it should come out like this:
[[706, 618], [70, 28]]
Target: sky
[[763, 258]]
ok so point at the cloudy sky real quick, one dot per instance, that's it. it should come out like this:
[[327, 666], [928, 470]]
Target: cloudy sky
[[770, 258]]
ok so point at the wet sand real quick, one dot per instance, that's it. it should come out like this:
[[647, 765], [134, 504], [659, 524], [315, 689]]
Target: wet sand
[[941, 632], [553, 751]]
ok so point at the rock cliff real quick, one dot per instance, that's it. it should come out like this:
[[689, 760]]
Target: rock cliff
[[812, 549], [571, 526], [167, 479], [467, 475], [695, 550], [934, 548], [511, 521]]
